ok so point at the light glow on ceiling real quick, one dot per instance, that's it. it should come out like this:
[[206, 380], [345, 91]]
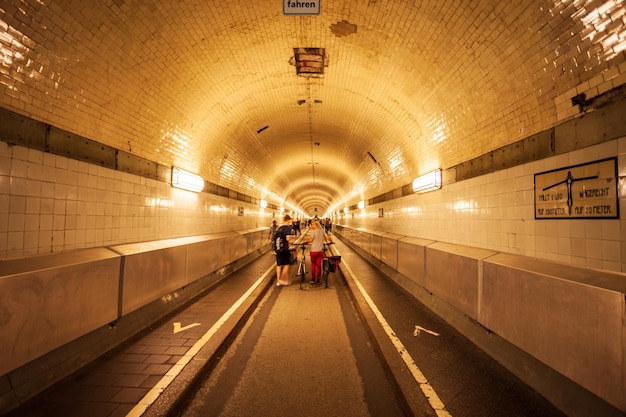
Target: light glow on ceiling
[[396, 162], [175, 141], [438, 128], [12, 53], [599, 24]]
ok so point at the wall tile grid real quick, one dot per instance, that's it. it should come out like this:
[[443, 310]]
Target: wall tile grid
[[50, 203], [496, 211]]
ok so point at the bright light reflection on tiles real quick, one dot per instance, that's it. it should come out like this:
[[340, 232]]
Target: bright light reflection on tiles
[[462, 205], [599, 24], [438, 128], [9, 49], [413, 210], [228, 171], [218, 209], [396, 163], [159, 202], [355, 194], [184, 198], [15, 48], [175, 141]]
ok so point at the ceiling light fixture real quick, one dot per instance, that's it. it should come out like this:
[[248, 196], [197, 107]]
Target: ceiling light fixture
[[186, 180], [310, 62], [427, 182]]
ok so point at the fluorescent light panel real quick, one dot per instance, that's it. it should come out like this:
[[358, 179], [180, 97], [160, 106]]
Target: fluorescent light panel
[[427, 182], [186, 180]]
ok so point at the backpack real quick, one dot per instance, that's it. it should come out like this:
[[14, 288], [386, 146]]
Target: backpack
[[280, 243]]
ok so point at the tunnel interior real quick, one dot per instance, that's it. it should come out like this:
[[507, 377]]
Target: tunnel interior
[[311, 112]]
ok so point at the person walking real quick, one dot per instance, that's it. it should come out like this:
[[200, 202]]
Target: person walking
[[317, 239], [282, 241]]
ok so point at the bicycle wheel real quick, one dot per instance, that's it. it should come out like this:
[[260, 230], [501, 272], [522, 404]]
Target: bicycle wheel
[[325, 271], [302, 265]]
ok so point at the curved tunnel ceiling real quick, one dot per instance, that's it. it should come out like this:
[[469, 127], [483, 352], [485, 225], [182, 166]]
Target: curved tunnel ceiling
[[212, 87]]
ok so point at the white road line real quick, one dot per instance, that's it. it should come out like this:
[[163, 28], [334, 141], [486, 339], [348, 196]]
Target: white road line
[[433, 399], [160, 386]]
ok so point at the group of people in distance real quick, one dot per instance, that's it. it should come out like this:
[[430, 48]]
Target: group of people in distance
[[285, 233]]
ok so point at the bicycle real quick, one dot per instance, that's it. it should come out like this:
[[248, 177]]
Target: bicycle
[[302, 265], [329, 264]]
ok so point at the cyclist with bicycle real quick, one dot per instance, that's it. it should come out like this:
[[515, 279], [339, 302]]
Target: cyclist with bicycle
[[317, 239]]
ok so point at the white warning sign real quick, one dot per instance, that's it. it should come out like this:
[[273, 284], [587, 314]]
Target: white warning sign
[[580, 191]]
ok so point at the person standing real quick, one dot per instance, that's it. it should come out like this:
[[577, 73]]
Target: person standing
[[282, 241], [272, 233], [296, 227], [317, 239]]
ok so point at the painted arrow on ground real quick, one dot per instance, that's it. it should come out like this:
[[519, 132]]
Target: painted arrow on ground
[[178, 328], [419, 329]]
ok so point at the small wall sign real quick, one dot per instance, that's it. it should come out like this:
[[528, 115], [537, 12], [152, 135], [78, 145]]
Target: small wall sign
[[586, 191], [301, 7]]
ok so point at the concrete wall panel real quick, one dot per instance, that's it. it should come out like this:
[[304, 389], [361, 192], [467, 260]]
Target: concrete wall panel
[[412, 259], [201, 258], [151, 270], [254, 239], [365, 241], [234, 247], [389, 249], [51, 300], [453, 274], [568, 319], [376, 241], [571, 322]]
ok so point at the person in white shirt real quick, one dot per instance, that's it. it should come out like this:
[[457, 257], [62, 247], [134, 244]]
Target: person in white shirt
[[317, 239]]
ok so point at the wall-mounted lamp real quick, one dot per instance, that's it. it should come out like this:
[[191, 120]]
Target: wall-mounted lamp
[[427, 182], [345, 210], [361, 204], [263, 204], [186, 180]]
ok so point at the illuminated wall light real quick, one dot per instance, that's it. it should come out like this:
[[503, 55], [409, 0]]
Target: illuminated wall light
[[263, 204], [186, 180], [427, 182], [345, 210], [361, 204]]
